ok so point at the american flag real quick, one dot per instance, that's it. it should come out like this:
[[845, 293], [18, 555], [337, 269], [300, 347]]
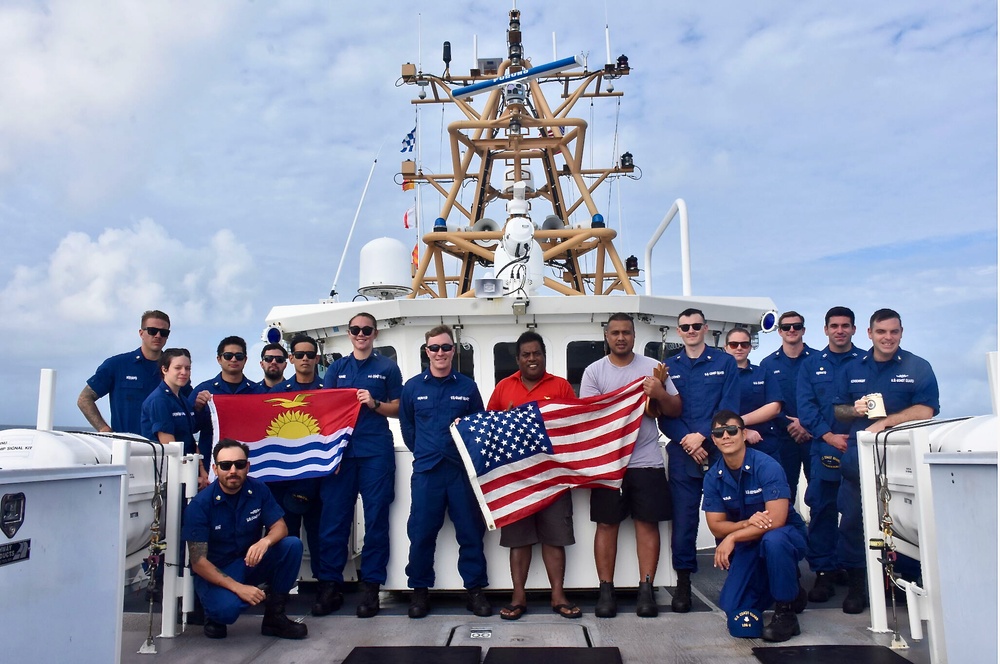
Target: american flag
[[523, 458]]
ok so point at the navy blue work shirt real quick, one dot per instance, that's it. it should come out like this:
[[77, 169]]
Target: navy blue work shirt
[[707, 384], [128, 378], [382, 378], [427, 407], [230, 524]]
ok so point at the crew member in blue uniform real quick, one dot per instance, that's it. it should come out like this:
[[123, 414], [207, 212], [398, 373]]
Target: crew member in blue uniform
[[761, 538], [430, 402], [707, 381], [300, 498], [818, 382], [760, 395], [128, 378], [167, 415], [795, 448], [237, 542], [273, 358], [368, 467], [909, 390], [231, 354]]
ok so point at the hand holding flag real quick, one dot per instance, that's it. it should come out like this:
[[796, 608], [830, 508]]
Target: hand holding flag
[[291, 435], [520, 460]]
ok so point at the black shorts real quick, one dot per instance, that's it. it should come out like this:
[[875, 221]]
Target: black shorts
[[552, 525], [645, 496]]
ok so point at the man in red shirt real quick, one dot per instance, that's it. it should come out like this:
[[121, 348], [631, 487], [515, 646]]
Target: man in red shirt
[[552, 526]]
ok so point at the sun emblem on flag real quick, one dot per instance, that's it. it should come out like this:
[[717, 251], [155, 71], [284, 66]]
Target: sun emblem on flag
[[293, 424]]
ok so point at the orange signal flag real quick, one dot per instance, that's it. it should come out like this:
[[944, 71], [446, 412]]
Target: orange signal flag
[[408, 185], [415, 256]]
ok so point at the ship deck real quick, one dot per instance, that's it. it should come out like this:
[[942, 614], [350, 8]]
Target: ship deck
[[696, 637]]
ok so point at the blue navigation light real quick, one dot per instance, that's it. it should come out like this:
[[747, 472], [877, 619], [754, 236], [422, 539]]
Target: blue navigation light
[[597, 221], [440, 224]]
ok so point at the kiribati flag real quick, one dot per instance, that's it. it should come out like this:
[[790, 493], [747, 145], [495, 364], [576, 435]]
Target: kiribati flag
[[521, 459], [290, 434]]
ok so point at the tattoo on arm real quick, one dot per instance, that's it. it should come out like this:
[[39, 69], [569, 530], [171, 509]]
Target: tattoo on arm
[[221, 573], [844, 412], [197, 551], [87, 403]]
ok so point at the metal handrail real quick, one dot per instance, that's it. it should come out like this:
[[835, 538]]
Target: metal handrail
[[679, 207]]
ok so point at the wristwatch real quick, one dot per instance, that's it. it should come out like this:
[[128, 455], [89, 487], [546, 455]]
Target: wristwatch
[[377, 404]]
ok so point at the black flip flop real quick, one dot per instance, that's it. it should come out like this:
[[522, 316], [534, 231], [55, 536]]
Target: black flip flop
[[514, 611]]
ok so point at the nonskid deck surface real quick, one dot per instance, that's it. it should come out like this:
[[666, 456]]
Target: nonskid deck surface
[[696, 637]]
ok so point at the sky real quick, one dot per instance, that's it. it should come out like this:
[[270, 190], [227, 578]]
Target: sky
[[207, 159]]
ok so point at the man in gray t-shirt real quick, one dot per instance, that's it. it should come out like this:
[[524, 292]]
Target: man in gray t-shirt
[[645, 494]]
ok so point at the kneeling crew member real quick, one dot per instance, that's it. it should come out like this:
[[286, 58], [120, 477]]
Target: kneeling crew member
[[230, 559], [761, 537]]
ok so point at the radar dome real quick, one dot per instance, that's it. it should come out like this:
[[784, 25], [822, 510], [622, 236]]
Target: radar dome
[[384, 269]]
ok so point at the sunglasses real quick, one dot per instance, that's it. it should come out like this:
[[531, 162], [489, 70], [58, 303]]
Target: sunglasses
[[273, 358], [365, 331], [445, 347], [239, 356], [785, 327], [308, 354], [738, 344], [731, 429], [684, 327], [154, 331], [226, 466]]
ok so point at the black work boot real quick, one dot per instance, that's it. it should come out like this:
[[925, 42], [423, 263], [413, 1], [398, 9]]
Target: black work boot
[[857, 591], [783, 626], [214, 630], [823, 589], [681, 603], [645, 604], [369, 606], [478, 603], [420, 604], [276, 623], [607, 603], [328, 599]]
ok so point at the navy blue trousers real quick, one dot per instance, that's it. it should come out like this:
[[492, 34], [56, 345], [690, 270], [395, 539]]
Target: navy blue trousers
[[279, 568], [764, 571], [821, 497], [373, 478], [795, 458], [444, 487], [295, 517], [686, 494]]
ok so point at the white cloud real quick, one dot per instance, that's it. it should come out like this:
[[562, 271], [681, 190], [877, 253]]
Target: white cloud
[[124, 271]]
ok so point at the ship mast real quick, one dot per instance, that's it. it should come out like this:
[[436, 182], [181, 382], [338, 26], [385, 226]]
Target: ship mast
[[518, 130]]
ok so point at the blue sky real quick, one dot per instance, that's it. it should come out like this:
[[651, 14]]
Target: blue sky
[[207, 159]]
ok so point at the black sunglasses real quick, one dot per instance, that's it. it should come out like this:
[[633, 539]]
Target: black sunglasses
[[153, 331], [684, 327], [309, 354], [785, 327], [228, 465], [273, 358], [239, 356], [365, 331], [445, 347], [738, 344], [731, 429]]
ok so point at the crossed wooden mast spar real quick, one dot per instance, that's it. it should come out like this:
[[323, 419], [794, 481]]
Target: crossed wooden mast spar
[[517, 132]]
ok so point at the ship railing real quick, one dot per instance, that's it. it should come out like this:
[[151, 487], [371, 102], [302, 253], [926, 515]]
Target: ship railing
[[679, 208]]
